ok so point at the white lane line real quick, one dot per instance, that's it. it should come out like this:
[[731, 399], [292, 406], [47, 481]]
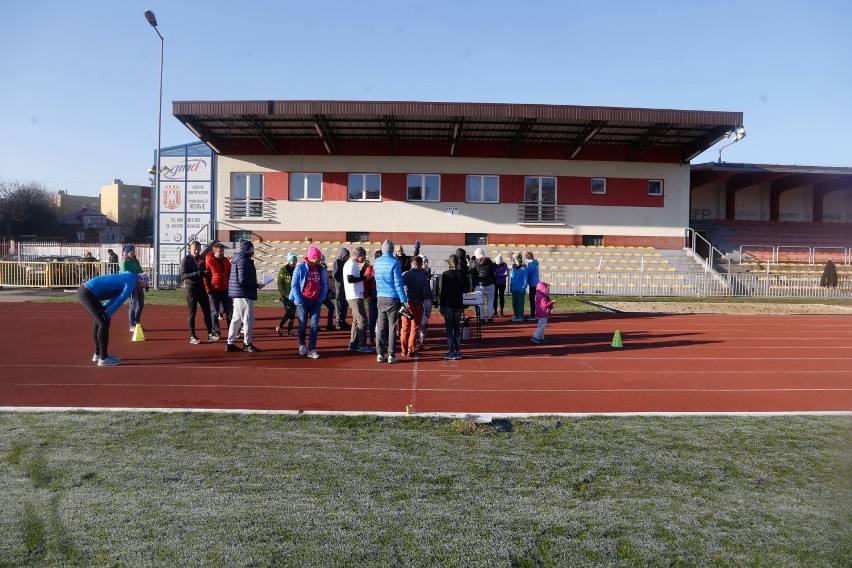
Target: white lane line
[[479, 415], [422, 389]]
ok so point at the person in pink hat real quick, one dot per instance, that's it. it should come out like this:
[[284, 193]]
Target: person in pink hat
[[308, 290]]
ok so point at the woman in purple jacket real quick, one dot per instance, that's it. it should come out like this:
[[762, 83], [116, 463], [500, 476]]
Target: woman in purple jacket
[[502, 274]]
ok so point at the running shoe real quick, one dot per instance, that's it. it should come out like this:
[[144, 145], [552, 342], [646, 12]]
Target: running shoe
[[95, 357], [194, 340], [392, 360], [279, 331], [381, 359], [232, 348], [365, 349], [251, 348], [312, 354], [303, 350], [109, 361]]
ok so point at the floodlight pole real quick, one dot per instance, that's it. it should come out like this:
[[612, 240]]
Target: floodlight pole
[[155, 266]]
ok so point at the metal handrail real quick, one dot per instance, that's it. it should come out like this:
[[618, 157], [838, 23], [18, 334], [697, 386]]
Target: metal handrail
[[708, 262]]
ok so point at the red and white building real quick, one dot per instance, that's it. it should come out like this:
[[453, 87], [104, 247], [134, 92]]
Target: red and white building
[[452, 173]]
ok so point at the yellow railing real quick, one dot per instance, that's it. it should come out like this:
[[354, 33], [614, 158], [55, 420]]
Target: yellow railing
[[50, 274]]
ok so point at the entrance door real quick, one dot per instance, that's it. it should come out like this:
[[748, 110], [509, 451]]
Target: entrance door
[[539, 199]]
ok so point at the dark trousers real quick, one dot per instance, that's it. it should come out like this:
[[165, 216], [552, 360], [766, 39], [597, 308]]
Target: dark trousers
[[289, 314], [386, 326], [452, 323], [342, 304], [137, 303], [532, 302], [220, 303], [198, 297], [372, 318], [329, 305], [499, 296], [100, 332]]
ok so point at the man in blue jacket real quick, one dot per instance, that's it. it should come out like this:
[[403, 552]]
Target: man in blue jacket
[[391, 297], [242, 287], [102, 296], [532, 283]]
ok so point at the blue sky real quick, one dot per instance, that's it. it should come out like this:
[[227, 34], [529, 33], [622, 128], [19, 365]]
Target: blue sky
[[78, 101]]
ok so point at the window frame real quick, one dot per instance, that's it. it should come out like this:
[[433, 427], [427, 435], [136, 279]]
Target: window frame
[[658, 183], [363, 177], [252, 207], [482, 189], [306, 186], [422, 186], [600, 189]]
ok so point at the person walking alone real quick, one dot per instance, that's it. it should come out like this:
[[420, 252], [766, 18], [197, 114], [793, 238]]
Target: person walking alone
[[543, 310]]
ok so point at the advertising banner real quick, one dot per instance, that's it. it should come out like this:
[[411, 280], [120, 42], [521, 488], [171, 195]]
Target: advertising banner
[[184, 200]]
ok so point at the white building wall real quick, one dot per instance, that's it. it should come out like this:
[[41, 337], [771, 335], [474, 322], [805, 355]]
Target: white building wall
[[399, 216]]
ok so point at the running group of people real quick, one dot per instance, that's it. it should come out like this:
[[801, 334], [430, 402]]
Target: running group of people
[[390, 297]]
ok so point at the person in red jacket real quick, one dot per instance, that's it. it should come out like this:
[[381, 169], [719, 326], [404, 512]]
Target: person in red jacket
[[216, 284]]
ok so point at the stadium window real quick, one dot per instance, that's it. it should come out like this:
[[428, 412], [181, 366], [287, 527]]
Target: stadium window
[[247, 195], [305, 187], [599, 186], [655, 187], [424, 187], [365, 187], [483, 189]]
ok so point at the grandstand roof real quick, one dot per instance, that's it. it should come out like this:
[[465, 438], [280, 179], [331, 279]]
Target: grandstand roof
[[454, 129], [784, 176]]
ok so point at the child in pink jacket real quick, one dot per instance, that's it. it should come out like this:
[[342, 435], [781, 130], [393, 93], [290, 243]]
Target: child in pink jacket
[[543, 310]]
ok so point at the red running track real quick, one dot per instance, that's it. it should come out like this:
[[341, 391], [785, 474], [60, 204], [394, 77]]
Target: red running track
[[669, 363]]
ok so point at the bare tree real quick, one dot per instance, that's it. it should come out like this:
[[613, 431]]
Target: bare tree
[[27, 208], [140, 227]]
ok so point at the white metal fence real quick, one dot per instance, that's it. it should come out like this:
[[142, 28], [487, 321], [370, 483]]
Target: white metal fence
[[707, 284]]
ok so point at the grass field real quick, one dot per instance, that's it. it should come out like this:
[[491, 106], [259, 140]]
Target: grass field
[[198, 489]]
